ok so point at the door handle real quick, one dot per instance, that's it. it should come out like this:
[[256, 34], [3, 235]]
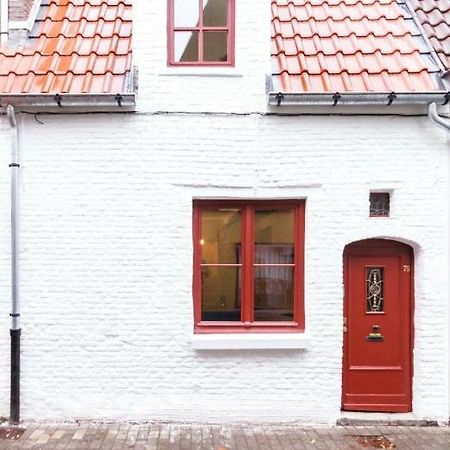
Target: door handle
[[344, 327], [376, 334]]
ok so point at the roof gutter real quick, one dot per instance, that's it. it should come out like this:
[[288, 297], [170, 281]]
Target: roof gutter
[[63, 102], [358, 98]]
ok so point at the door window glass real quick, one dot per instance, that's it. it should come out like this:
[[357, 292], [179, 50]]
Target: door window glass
[[374, 289]]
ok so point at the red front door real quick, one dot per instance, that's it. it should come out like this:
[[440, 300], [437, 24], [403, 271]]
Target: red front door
[[377, 363]]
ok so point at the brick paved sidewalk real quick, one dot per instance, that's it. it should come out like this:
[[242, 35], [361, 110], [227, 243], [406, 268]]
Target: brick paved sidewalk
[[151, 436]]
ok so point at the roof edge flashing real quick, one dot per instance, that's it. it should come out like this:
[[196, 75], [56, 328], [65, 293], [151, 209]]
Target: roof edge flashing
[[62, 103], [358, 98]]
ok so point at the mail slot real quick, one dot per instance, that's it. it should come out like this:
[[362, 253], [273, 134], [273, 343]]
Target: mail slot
[[375, 335]]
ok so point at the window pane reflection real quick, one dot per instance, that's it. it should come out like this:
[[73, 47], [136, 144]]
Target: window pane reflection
[[221, 293], [186, 46], [215, 46], [215, 13], [274, 254], [274, 293], [186, 13], [221, 236], [274, 226]]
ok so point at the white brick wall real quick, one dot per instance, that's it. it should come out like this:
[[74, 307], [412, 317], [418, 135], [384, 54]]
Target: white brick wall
[[106, 241], [239, 89], [106, 257]]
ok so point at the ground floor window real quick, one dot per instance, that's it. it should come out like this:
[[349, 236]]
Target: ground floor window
[[248, 265]]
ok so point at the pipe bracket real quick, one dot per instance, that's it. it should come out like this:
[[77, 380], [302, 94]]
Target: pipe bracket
[[280, 98], [58, 100], [391, 97], [336, 97], [118, 98]]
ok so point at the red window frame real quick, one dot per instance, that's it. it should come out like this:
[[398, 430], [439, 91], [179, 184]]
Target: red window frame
[[229, 28], [247, 301]]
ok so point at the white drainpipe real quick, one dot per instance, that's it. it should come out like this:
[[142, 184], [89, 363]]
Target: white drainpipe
[[437, 119], [15, 330]]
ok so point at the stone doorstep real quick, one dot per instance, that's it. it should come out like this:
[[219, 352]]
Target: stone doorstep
[[347, 422]]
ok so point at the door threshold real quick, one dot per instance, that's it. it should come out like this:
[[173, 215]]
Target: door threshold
[[409, 419]]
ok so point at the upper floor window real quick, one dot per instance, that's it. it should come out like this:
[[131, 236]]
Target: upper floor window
[[201, 32], [248, 265]]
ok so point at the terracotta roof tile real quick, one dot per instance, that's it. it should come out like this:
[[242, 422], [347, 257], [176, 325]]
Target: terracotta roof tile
[[434, 15], [76, 46], [348, 45]]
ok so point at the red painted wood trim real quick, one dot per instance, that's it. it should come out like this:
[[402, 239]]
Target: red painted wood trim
[[299, 271], [370, 248], [170, 37], [248, 253], [197, 270], [247, 269], [229, 28]]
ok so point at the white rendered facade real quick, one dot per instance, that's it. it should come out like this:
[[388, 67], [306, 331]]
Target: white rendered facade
[[106, 242]]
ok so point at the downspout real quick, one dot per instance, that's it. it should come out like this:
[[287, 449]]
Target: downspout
[[15, 330], [437, 119]]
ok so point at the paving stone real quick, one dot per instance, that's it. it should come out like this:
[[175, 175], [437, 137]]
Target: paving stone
[[114, 436]]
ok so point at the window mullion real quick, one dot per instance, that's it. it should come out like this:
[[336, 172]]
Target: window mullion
[[248, 288]]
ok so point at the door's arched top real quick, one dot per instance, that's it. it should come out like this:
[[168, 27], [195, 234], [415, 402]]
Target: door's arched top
[[383, 245]]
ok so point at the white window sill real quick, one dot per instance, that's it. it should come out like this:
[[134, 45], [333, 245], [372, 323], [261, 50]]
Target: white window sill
[[197, 71], [257, 341]]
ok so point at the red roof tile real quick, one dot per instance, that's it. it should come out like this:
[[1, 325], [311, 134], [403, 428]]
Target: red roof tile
[[347, 45], [76, 46], [434, 15]]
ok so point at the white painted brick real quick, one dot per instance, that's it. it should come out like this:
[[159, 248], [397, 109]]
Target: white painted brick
[[106, 242], [160, 92], [106, 253]]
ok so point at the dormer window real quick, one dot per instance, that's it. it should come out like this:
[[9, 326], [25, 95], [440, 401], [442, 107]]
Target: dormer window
[[201, 32]]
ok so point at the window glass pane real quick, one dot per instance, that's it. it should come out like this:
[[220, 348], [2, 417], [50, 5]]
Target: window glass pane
[[215, 13], [221, 293], [274, 226], [379, 204], [220, 239], [186, 46], [215, 46], [185, 13], [374, 289], [274, 293], [274, 254]]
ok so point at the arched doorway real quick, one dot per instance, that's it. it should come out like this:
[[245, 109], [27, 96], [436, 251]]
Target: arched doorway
[[378, 326]]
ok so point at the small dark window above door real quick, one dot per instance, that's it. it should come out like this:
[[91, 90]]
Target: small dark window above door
[[379, 204]]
